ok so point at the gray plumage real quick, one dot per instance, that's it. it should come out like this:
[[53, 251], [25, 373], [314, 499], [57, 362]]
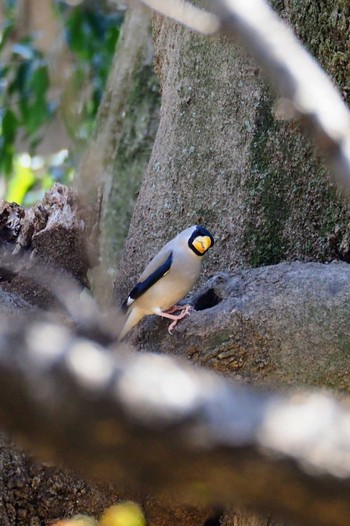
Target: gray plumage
[[168, 277]]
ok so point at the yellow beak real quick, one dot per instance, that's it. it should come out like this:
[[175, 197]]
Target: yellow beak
[[202, 243]]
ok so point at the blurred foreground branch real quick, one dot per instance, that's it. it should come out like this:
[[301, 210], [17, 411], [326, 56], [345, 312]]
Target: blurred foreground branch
[[152, 421], [304, 88], [187, 14]]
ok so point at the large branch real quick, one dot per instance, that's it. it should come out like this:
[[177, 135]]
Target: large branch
[[151, 421], [266, 325]]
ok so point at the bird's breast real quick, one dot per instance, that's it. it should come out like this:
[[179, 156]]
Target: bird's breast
[[172, 287]]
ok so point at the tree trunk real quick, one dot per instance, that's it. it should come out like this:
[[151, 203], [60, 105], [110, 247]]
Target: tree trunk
[[226, 157], [220, 158]]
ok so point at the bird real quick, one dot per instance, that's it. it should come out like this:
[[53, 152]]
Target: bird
[[167, 278]]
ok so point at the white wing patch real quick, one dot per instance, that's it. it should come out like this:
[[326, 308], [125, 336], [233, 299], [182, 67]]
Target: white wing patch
[[129, 301]]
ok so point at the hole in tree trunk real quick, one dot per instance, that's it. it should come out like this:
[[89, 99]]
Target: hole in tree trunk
[[214, 520], [208, 300]]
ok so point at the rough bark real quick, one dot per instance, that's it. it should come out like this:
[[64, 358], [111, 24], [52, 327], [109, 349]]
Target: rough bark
[[33, 494], [288, 299], [58, 233], [227, 165], [223, 157], [286, 324]]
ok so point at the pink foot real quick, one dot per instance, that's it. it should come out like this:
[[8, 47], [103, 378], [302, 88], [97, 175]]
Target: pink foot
[[185, 311]]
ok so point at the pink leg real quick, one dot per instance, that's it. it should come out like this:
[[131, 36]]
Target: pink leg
[[174, 308], [185, 312]]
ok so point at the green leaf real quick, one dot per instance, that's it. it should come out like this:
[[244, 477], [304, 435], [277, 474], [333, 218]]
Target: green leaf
[[39, 82], [4, 71], [111, 40], [20, 80], [78, 33], [24, 109], [37, 114], [92, 33], [9, 126], [6, 158]]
